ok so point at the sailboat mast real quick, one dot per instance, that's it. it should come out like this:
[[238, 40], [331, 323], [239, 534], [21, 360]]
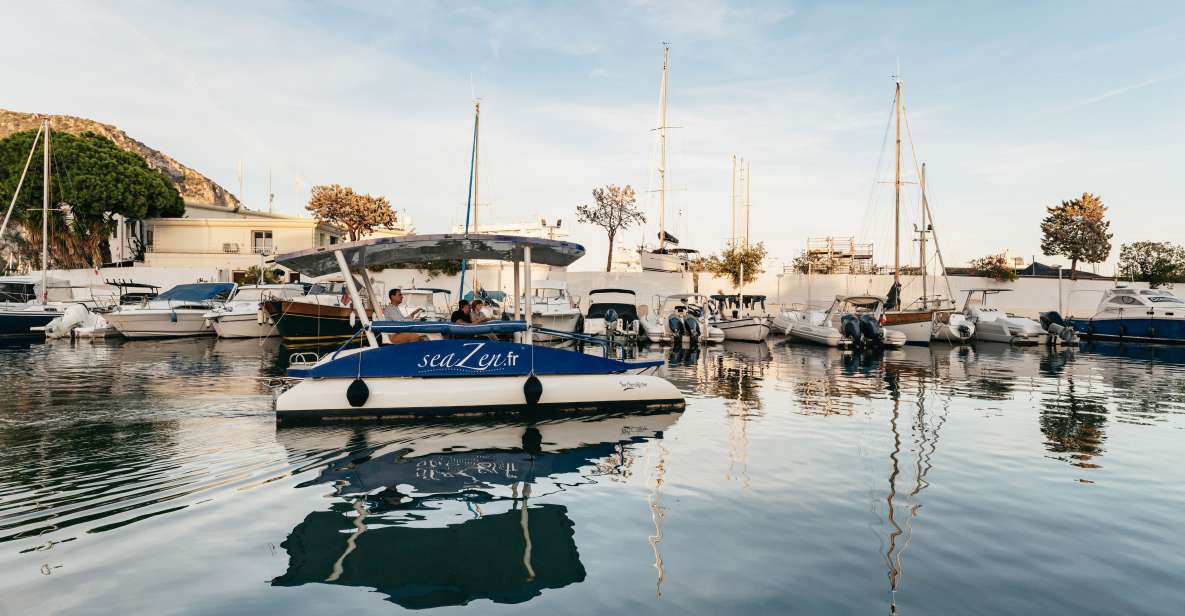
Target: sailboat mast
[[733, 198], [476, 184], [45, 220], [897, 193], [662, 137], [748, 202], [922, 239]]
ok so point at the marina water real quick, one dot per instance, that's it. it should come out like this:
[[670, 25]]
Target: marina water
[[150, 477]]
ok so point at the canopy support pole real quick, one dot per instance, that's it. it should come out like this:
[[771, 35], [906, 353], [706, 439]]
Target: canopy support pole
[[375, 302], [517, 288], [527, 292], [355, 299]]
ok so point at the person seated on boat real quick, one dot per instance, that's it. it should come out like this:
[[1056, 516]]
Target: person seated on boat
[[396, 311], [461, 316], [478, 312]]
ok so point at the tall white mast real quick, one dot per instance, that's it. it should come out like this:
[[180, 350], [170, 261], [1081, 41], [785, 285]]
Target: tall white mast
[[45, 219], [476, 204], [662, 138], [897, 193], [922, 238], [733, 199], [748, 201]]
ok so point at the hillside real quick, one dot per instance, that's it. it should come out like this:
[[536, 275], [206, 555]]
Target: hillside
[[194, 187]]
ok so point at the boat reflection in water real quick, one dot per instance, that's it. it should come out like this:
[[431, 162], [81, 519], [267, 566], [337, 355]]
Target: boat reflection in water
[[442, 515]]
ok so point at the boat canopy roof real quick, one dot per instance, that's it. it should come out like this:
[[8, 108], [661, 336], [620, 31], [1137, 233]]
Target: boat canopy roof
[[424, 249], [987, 290], [861, 300], [425, 290], [596, 291], [198, 292]]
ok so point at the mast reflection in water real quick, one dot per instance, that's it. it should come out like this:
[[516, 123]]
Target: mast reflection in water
[[448, 519]]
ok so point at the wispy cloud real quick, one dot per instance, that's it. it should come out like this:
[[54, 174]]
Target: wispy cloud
[[1121, 91]]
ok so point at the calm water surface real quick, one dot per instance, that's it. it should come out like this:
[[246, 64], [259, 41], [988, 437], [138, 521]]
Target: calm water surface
[[150, 477]]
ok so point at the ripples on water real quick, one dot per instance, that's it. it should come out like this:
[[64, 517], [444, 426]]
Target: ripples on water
[[150, 477]]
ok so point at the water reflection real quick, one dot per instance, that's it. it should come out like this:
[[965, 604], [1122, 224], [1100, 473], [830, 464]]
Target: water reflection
[[444, 515]]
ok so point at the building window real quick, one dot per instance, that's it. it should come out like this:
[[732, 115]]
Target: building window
[[261, 242], [147, 237], [332, 240]]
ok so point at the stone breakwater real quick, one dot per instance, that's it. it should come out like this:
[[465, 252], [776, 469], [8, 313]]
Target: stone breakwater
[[194, 187]]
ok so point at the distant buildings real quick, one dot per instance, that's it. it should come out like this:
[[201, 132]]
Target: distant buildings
[[226, 239]]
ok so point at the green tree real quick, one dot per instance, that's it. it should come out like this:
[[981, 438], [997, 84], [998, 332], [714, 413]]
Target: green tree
[[255, 275], [1077, 229], [93, 179], [615, 210], [1153, 262], [357, 215], [737, 259], [995, 267]]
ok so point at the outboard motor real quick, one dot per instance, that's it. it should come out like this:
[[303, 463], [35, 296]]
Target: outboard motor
[[1057, 328], [849, 326], [610, 321], [675, 323], [871, 329], [691, 326]]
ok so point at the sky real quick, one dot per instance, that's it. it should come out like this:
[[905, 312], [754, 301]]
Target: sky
[[1013, 106]]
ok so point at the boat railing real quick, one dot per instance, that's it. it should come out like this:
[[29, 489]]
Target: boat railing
[[581, 338]]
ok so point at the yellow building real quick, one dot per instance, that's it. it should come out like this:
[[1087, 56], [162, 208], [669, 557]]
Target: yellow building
[[234, 240]]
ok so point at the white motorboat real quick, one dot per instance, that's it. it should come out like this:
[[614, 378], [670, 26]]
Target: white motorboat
[[995, 325], [464, 373], [737, 318], [952, 327], [787, 316], [180, 311], [427, 303], [552, 308], [612, 312], [1141, 315], [674, 316], [242, 315], [816, 327]]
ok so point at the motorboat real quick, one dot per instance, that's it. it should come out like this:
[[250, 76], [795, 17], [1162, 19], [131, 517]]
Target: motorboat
[[995, 325], [242, 316], [427, 304], [816, 327], [851, 321], [24, 309], [612, 312], [683, 315], [93, 323], [952, 327], [787, 316], [319, 317], [180, 311], [1143, 315], [553, 308], [737, 319], [466, 371]]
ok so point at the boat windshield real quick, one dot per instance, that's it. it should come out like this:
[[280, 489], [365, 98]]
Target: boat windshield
[[198, 292], [549, 293], [259, 295], [1165, 299]]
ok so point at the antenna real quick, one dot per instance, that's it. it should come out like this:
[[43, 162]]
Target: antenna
[[271, 197]]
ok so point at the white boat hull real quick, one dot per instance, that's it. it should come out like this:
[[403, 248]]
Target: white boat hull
[[818, 334], [750, 329], [241, 325], [915, 333], [658, 334], [160, 323], [1006, 333], [414, 397]]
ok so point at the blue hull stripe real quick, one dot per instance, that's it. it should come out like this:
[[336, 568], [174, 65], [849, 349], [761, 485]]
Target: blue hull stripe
[[1150, 330]]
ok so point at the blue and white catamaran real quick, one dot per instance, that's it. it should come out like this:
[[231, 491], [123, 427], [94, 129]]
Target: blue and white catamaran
[[451, 369]]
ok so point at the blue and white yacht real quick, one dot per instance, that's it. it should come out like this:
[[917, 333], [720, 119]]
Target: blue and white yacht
[[1144, 315], [437, 368], [24, 307]]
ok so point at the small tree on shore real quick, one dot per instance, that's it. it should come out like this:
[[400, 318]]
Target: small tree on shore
[[1153, 262], [995, 267], [614, 210], [355, 214], [737, 259], [1077, 229]]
